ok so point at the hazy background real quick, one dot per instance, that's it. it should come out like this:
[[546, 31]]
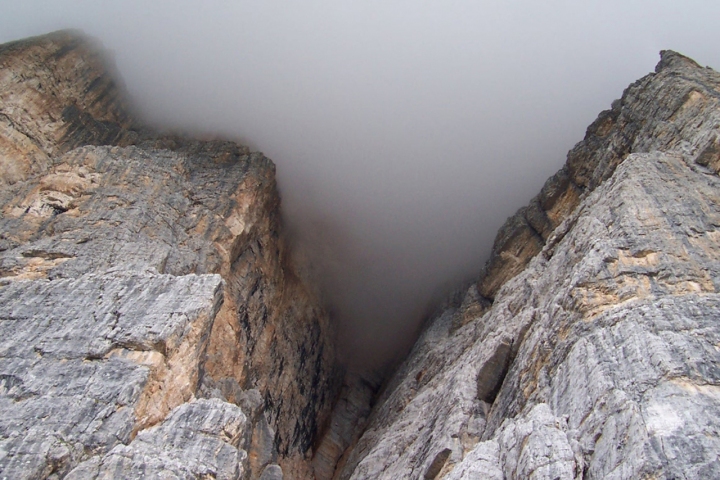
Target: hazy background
[[404, 132]]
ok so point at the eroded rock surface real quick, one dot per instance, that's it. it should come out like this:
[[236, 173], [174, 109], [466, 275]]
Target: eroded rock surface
[[200, 439], [88, 362], [671, 109], [590, 346], [57, 92], [140, 272], [347, 422]]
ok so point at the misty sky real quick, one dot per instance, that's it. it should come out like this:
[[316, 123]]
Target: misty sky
[[404, 132]]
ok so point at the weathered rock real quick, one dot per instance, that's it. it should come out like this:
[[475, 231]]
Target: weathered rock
[[88, 362], [272, 472], [57, 92], [348, 420], [674, 108], [200, 439], [101, 217], [609, 334], [151, 323], [481, 462]]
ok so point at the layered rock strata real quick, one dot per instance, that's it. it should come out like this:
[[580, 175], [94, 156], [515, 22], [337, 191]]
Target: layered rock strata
[[139, 273], [589, 348]]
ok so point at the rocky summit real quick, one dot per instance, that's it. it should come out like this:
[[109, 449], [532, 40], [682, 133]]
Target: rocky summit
[[153, 323]]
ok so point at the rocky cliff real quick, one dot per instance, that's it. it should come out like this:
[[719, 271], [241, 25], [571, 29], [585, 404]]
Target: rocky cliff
[[150, 320], [152, 324], [590, 345]]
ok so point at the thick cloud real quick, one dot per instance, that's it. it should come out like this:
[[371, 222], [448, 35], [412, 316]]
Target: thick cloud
[[404, 132]]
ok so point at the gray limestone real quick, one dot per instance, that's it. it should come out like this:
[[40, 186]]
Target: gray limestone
[[152, 324], [199, 439], [79, 356], [615, 330], [599, 358], [140, 272]]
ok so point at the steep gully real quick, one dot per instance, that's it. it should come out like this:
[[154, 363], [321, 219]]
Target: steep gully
[[100, 206]]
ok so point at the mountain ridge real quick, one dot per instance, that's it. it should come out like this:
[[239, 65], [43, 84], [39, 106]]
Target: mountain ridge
[[519, 407], [112, 214]]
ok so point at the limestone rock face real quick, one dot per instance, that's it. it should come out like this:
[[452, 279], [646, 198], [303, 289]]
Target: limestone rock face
[[672, 109], [87, 362], [140, 273], [590, 346], [197, 440], [56, 93], [152, 325]]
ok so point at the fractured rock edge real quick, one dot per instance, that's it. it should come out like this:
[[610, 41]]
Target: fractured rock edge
[[507, 398]]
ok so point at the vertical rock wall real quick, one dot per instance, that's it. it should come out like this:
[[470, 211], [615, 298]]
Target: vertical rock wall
[[138, 273]]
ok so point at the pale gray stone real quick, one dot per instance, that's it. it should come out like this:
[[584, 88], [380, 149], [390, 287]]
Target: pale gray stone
[[610, 331], [481, 462], [616, 374], [197, 440], [71, 369], [140, 271], [140, 275]]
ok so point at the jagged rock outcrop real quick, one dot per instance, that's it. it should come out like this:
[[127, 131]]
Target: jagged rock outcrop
[[657, 112], [589, 348], [140, 273]]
